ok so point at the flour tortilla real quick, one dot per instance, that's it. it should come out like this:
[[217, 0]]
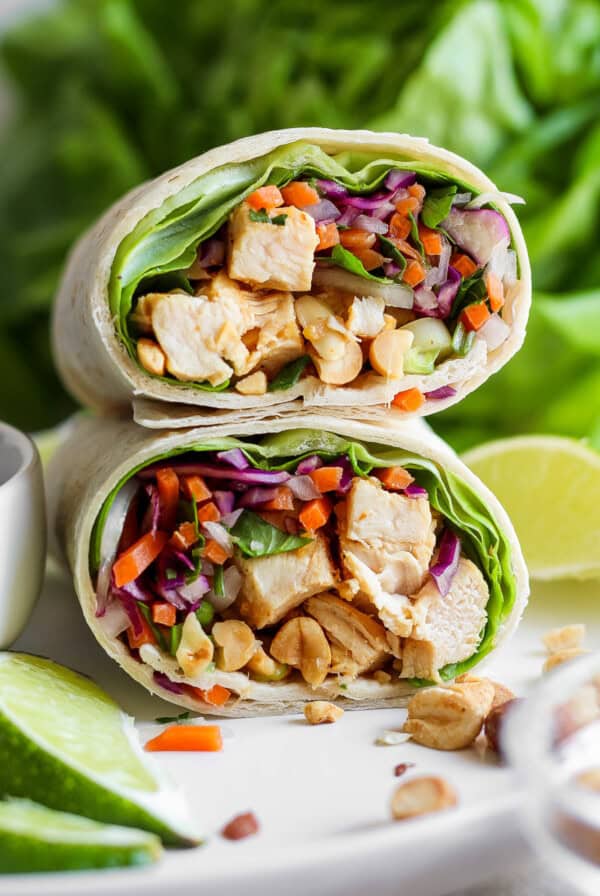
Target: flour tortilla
[[98, 371], [100, 452]]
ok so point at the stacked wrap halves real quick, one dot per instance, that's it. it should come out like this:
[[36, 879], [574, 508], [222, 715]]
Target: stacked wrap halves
[[284, 309]]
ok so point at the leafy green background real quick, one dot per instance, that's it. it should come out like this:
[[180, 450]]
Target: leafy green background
[[109, 92]]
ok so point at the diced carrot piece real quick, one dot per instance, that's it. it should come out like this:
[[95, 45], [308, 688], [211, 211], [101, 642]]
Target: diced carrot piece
[[474, 316], [164, 613], [328, 235], [327, 479], [409, 400], [370, 259], [406, 249], [216, 696], [495, 291], [187, 738], [400, 226], [406, 206], [214, 552], [209, 513], [283, 500], [265, 197], [300, 194], [132, 562], [431, 239], [418, 191], [146, 636], [395, 479], [463, 264], [167, 481], [357, 239], [195, 487], [315, 513], [414, 273], [184, 536]]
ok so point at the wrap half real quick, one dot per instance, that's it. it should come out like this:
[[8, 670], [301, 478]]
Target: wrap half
[[246, 570], [345, 269]]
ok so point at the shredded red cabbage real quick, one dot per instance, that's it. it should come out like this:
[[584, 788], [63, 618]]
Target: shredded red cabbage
[[235, 457], [397, 178], [323, 212], [309, 464], [250, 476], [370, 224], [165, 682], [442, 392], [415, 491], [256, 496], [225, 501], [444, 570], [331, 189]]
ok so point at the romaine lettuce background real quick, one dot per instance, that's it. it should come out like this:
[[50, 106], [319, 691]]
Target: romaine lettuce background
[[109, 92]]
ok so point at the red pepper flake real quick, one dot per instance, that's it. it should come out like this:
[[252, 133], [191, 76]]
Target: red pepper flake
[[402, 768], [244, 825]]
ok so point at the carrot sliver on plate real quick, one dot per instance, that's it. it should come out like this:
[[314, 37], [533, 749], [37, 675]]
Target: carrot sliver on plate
[[409, 400], [395, 478], [315, 514], [474, 316], [300, 194], [187, 738], [326, 479], [265, 197], [132, 562], [215, 696]]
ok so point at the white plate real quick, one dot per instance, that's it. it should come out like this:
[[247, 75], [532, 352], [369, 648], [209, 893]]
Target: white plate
[[321, 794]]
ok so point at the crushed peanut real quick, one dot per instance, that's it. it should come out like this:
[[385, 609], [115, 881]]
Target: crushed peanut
[[321, 712], [449, 718], [151, 356], [502, 694], [255, 384], [421, 796], [382, 677], [569, 637]]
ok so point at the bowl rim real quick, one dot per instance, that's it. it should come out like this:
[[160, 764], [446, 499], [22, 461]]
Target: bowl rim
[[28, 453]]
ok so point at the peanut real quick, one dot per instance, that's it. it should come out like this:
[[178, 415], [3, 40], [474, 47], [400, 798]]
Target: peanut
[[151, 356], [236, 644], [342, 370], [301, 642], [387, 352], [449, 718], [255, 384], [195, 649], [563, 656], [421, 796], [568, 637], [321, 712]]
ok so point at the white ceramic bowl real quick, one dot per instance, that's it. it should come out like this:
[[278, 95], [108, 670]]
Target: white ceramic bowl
[[22, 531]]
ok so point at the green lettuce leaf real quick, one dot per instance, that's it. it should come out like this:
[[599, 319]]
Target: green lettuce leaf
[[289, 375], [257, 538], [437, 205]]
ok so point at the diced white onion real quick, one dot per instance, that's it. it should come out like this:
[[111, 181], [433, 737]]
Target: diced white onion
[[219, 534], [230, 519], [232, 582], [111, 535], [115, 620], [493, 196], [303, 487], [395, 295], [494, 331]]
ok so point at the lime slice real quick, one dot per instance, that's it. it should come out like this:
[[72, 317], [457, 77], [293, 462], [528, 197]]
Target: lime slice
[[550, 487], [35, 838], [66, 744]]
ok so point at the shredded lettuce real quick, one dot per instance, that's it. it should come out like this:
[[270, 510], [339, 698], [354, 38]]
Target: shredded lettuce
[[482, 539]]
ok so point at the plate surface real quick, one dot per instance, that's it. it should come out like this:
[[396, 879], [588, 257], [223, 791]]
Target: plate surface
[[321, 793]]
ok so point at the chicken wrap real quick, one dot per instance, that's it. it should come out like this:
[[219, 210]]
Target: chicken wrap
[[346, 269], [245, 570]]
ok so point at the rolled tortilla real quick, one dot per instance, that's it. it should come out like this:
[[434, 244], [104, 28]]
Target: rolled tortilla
[[95, 346], [101, 456]]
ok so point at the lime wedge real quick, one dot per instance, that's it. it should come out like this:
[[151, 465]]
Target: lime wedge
[[35, 838], [66, 744], [550, 487]]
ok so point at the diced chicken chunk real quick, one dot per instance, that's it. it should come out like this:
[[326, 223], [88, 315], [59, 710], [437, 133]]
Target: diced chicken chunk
[[360, 636], [272, 256], [198, 334], [278, 339], [276, 584], [447, 629], [365, 316]]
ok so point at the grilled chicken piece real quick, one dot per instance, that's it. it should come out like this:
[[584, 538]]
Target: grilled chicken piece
[[447, 629], [365, 316], [198, 334], [278, 341], [272, 256], [361, 637], [274, 585], [386, 542]]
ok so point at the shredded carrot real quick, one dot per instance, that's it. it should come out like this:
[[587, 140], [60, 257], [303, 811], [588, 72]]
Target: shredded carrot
[[216, 696], [195, 487], [315, 513], [132, 562], [167, 481], [300, 194], [406, 248], [328, 235], [265, 197], [283, 500], [209, 513], [414, 273], [187, 738], [463, 264], [146, 636], [184, 536], [214, 552], [409, 400], [357, 239], [400, 226], [406, 206], [163, 613], [431, 239], [369, 258], [326, 479], [495, 291], [474, 316], [395, 478]]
